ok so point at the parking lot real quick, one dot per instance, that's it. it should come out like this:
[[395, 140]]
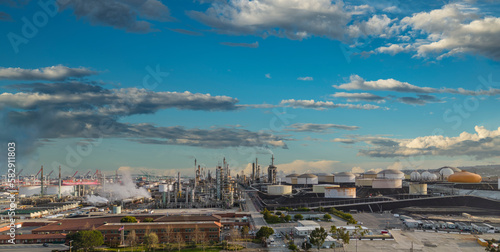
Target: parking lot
[[378, 221]]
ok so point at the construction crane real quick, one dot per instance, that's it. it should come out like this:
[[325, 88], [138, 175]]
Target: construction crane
[[72, 177], [94, 175], [48, 176], [19, 172], [86, 174], [38, 172]]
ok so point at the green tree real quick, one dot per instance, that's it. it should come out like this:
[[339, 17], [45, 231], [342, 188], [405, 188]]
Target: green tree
[[148, 219], [264, 233], [317, 237], [150, 240], [87, 239], [288, 218], [327, 217], [298, 217], [341, 234], [292, 246], [128, 219]]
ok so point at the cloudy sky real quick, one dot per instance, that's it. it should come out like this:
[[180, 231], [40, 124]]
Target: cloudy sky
[[325, 86]]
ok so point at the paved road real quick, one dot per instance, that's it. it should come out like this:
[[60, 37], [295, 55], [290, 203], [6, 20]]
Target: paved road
[[258, 218], [31, 247]]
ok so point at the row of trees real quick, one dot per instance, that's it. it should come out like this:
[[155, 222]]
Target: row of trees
[[275, 218], [318, 235]]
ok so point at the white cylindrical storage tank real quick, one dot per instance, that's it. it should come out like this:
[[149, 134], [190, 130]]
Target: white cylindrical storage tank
[[391, 174], [340, 192], [446, 172], [279, 189], [416, 188], [65, 190], [345, 177], [30, 190], [307, 179], [321, 188], [415, 176], [117, 209], [387, 183], [291, 178]]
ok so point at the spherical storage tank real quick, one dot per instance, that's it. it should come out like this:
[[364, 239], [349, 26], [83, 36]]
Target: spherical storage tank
[[446, 172], [291, 178], [345, 177], [391, 174], [415, 176], [464, 177], [427, 176], [279, 189], [307, 179]]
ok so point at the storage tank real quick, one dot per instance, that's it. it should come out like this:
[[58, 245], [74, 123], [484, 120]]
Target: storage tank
[[65, 190], [340, 192], [325, 178], [117, 209], [454, 169], [418, 189], [391, 174], [445, 172], [307, 179], [321, 188], [464, 177], [291, 178], [279, 189], [387, 183], [345, 177], [370, 174], [364, 181], [428, 176], [415, 176]]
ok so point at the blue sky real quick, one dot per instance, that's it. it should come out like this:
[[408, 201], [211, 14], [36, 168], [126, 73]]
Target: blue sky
[[324, 86]]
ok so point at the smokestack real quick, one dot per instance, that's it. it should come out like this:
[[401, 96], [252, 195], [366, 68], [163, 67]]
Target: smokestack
[[59, 189], [41, 181], [253, 172]]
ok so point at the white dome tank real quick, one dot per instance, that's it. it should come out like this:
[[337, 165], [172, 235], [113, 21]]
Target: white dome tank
[[415, 176], [446, 172]]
